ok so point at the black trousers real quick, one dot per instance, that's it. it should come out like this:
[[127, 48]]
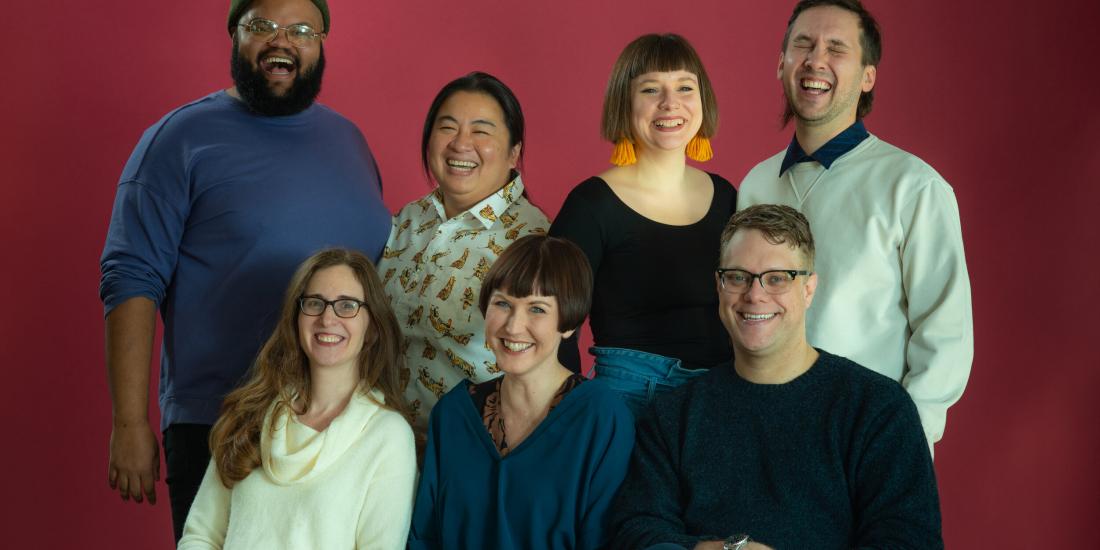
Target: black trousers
[[186, 453]]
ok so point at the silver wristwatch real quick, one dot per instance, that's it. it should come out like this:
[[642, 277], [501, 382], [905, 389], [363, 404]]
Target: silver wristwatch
[[736, 542]]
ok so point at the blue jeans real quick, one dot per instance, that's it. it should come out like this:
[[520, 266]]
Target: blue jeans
[[639, 376]]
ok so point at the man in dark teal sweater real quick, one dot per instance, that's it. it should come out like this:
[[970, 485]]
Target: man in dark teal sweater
[[790, 447]]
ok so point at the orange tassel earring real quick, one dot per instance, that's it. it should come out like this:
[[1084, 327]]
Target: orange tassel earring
[[623, 155], [699, 149]]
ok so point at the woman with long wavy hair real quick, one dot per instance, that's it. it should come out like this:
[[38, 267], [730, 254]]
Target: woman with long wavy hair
[[316, 449]]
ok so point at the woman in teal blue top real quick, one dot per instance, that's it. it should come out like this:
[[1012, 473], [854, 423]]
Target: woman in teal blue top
[[533, 458]]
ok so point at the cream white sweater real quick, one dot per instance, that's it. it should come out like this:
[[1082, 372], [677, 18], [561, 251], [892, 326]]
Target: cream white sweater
[[893, 292], [349, 486]]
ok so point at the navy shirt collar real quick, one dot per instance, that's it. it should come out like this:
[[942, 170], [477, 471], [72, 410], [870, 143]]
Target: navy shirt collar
[[828, 153]]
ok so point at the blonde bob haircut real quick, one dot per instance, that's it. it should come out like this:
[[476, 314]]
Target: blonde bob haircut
[[647, 54]]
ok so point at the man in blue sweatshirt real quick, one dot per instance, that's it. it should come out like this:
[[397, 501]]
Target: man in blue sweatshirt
[[218, 203], [788, 447]]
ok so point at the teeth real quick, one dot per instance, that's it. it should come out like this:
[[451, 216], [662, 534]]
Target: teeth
[[757, 316], [462, 164], [282, 60], [516, 346], [816, 84], [328, 339], [669, 123]]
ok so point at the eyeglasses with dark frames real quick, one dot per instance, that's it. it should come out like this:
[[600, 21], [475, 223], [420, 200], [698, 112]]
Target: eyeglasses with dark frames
[[298, 34], [776, 281], [314, 306]]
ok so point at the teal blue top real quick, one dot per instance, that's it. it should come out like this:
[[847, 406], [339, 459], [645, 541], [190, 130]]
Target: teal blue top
[[552, 491]]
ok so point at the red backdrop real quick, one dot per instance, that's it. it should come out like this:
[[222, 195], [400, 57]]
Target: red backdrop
[[998, 99]]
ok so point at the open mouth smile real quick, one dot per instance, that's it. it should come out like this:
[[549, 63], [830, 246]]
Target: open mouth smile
[[461, 165], [516, 347], [278, 65], [815, 86]]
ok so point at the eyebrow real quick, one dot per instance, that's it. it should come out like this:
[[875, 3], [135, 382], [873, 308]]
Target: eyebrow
[[831, 41], [655, 81], [340, 297], [449, 118]]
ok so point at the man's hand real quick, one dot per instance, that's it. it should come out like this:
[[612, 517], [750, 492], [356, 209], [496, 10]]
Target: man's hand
[[134, 462]]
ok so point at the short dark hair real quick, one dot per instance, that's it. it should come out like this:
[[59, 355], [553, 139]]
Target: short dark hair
[[870, 42], [483, 83], [548, 266], [779, 223], [646, 54]]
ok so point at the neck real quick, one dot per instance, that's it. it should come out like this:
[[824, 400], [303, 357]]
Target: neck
[[528, 395], [812, 136], [661, 170], [331, 389], [453, 206], [774, 368]]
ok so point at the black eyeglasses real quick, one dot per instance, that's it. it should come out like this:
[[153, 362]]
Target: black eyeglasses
[[776, 281], [298, 34], [344, 307]]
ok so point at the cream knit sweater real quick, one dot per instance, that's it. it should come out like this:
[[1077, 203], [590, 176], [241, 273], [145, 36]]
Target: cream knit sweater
[[349, 486], [893, 292]]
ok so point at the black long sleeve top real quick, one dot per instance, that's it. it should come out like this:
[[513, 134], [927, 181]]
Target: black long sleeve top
[[654, 282]]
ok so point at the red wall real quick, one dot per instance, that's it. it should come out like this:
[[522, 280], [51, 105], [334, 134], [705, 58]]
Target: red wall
[[1001, 100]]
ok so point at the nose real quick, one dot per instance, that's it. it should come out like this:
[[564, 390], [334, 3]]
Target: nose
[[462, 141], [668, 101], [755, 292], [328, 315], [815, 58], [513, 324], [281, 38]]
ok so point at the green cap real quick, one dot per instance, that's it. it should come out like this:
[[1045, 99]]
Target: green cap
[[238, 7]]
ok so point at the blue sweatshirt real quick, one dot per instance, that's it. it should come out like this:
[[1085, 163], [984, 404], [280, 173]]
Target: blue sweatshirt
[[552, 491], [214, 211]]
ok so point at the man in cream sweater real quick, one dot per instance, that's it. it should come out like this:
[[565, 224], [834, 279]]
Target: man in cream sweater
[[895, 295]]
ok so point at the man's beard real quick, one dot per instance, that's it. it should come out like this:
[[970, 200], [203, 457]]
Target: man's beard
[[256, 93]]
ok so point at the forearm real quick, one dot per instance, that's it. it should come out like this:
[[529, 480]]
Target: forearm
[[129, 346]]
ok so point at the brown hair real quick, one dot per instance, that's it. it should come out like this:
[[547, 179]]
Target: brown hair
[[547, 266], [779, 223], [870, 43], [281, 371], [646, 54]]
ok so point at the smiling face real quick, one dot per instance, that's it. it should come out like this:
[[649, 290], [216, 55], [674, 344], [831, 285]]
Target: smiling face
[[468, 152], [666, 110], [523, 332], [762, 324], [822, 70], [277, 77], [327, 340]]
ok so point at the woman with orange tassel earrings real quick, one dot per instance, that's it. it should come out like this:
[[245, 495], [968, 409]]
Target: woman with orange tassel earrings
[[650, 225]]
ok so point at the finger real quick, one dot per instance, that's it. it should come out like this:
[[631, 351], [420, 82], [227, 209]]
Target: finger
[[112, 477], [124, 487], [149, 487], [135, 488]]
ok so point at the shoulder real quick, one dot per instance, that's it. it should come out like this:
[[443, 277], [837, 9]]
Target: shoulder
[[902, 166], [588, 205], [603, 402], [189, 120], [524, 211], [677, 405], [857, 382], [457, 398], [766, 170], [724, 192], [593, 189]]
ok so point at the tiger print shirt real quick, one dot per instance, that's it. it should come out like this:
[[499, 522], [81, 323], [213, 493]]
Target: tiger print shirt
[[432, 268]]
